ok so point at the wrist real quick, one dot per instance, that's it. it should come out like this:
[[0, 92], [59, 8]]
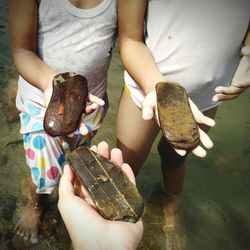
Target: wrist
[[151, 87]]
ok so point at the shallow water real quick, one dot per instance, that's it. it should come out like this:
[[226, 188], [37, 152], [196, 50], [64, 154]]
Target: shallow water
[[215, 203]]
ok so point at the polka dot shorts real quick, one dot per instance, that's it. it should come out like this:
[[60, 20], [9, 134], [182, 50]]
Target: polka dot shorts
[[45, 154]]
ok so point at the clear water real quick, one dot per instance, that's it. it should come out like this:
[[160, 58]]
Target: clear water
[[215, 203]]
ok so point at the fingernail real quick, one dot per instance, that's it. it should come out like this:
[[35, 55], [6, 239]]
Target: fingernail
[[146, 115], [215, 99], [218, 90], [84, 130]]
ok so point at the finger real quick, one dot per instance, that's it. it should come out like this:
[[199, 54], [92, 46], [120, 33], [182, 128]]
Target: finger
[[148, 106], [242, 84], [246, 51], [66, 188], [95, 99], [147, 112], [157, 117], [181, 152], [128, 172], [222, 97], [83, 129], [90, 202], [231, 90], [200, 117], [199, 151], [90, 108], [103, 149], [205, 139], [84, 194], [94, 148], [71, 134], [116, 156]]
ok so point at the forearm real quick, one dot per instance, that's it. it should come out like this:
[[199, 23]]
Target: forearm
[[135, 56], [32, 68], [140, 64]]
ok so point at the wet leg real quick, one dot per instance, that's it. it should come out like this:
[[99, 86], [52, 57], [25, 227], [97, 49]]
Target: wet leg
[[27, 227], [135, 136], [173, 171]]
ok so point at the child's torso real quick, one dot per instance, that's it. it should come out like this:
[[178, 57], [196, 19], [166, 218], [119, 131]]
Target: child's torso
[[78, 39], [197, 42]]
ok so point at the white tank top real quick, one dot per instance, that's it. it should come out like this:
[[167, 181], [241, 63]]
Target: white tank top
[[77, 40], [195, 43]]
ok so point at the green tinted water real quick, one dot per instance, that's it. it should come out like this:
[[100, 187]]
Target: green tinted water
[[215, 203]]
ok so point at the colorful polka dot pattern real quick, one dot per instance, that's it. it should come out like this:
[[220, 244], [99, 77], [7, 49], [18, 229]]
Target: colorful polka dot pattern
[[38, 126], [33, 110], [30, 153], [25, 118], [39, 142], [52, 173], [44, 154], [46, 165]]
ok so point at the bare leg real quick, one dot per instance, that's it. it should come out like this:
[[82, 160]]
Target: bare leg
[[173, 170], [27, 227], [135, 136]]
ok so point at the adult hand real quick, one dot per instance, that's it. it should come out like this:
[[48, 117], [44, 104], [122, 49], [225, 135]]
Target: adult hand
[[240, 82], [87, 228], [149, 110]]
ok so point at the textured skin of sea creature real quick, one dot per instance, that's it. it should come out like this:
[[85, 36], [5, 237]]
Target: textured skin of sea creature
[[114, 195], [67, 104], [176, 119]]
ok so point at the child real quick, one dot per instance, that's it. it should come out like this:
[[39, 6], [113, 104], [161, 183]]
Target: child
[[196, 43], [51, 37]]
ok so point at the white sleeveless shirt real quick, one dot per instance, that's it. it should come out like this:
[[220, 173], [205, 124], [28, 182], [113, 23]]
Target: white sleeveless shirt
[[195, 43], [77, 40]]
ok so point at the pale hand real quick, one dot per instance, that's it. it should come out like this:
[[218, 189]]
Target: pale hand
[[240, 82], [149, 111], [87, 228]]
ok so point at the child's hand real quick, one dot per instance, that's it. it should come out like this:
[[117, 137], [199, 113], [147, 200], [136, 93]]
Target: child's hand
[[94, 103], [240, 82], [149, 110]]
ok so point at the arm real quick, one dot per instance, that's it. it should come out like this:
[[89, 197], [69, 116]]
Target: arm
[[135, 55], [139, 62], [23, 24], [241, 78]]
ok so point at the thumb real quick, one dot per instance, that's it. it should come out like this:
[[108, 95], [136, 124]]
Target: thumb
[[148, 106], [66, 188]]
